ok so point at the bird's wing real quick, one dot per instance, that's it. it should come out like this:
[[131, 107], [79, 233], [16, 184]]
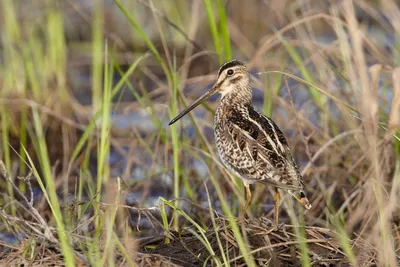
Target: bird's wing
[[260, 138]]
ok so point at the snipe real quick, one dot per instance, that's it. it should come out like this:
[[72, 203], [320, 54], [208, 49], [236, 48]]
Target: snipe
[[250, 144]]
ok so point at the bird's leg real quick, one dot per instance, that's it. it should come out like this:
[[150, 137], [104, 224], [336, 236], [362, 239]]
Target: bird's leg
[[277, 199], [248, 196], [247, 201]]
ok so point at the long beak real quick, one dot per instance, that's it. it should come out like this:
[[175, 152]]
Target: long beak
[[195, 104]]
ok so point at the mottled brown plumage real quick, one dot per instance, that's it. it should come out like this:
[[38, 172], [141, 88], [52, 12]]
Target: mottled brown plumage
[[250, 144]]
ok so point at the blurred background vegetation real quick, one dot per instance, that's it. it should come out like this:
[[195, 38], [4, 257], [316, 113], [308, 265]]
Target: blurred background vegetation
[[90, 165]]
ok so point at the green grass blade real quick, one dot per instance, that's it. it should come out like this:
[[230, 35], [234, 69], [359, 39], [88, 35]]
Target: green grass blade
[[213, 28], [224, 29], [49, 190]]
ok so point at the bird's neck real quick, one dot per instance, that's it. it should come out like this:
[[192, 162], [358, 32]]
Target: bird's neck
[[240, 96], [234, 100]]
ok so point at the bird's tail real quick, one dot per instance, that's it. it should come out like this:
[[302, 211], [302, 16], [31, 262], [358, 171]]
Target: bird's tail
[[304, 200]]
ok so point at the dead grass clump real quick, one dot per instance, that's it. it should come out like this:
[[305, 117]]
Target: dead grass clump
[[42, 256], [279, 248]]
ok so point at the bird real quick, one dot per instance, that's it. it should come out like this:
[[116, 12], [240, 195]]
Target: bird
[[250, 144]]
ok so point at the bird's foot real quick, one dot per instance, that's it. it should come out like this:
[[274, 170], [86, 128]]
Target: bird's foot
[[280, 226], [275, 227], [243, 218], [270, 230]]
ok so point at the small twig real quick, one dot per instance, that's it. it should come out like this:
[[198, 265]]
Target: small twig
[[27, 180]]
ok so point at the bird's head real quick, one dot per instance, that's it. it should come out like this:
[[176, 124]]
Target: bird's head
[[233, 77]]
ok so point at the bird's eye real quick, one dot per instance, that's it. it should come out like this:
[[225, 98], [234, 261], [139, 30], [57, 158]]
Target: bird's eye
[[230, 72]]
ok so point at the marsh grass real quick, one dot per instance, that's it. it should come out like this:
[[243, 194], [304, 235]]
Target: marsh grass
[[338, 101]]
